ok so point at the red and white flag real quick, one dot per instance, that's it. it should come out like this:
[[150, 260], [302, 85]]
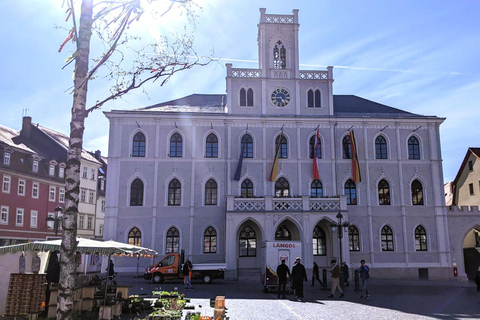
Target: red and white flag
[[316, 174]]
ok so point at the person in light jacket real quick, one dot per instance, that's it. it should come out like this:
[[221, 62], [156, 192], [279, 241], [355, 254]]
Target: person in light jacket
[[335, 271]]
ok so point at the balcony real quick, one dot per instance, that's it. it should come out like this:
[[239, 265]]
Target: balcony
[[294, 204]]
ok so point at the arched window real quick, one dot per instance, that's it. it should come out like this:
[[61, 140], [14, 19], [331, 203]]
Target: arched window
[[319, 241], [316, 189], [387, 239], [279, 56], [347, 147], [353, 238], [176, 145], [420, 239], [417, 193], [243, 97], [318, 151], [247, 146], [247, 189], [211, 192], [136, 193], [282, 152], [413, 148], [282, 188], [351, 192], [174, 193], [247, 243], [283, 233], [383, 193], [138, 147], [173, 240], [210, 240], [135, 237], [380, 148], [211, 148], [314, 99], [250, 97]]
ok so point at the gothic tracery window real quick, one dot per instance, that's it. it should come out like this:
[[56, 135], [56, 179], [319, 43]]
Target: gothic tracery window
[[279, 56]]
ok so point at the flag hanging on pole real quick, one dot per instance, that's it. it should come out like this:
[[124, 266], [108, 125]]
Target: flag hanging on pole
[[238, 172], [273, 174], [355, 165], [316, 173]]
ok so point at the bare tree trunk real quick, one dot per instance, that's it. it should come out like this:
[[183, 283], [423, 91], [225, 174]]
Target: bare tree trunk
[[72, 185]]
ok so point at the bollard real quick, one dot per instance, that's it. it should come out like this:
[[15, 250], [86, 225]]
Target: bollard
[[324, 279], [357, 280]]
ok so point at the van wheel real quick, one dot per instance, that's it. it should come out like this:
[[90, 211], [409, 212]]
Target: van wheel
[[158, 278], [206, 278]]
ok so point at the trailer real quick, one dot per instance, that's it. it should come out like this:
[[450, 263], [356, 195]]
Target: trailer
[[273, 252]]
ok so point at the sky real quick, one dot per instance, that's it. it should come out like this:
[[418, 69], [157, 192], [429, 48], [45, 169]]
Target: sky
[[418, 56]]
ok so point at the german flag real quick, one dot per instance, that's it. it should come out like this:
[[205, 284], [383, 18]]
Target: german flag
[[355, 165], [273, 174]]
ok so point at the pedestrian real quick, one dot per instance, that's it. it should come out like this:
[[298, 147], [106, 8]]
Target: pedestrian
[[36, 263], [282, 273], [111, 271], [345, 274], [364, 272], [187, 267], [477, 279], [315, 274], [298, 275], [335, 271]]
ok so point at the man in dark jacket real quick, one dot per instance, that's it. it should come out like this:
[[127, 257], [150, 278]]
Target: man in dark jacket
[[187, 267], [282, 272], [299, 275]]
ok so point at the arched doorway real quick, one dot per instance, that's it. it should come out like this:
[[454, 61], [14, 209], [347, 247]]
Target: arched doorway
[[471, 254], [249, 240], [287, 230]]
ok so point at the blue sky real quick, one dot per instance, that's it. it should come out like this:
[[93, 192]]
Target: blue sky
[[419, 56]]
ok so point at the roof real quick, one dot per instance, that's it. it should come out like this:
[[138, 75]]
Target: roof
[[471, 150], [209, 103], [7, 135]]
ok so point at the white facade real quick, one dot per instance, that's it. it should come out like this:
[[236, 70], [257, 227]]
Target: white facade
[[397, 151]]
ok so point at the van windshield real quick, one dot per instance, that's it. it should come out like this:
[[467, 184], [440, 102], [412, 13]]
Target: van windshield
[[167, 261]]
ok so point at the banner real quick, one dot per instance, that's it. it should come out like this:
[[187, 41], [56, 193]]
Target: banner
[[355, 166], [273, 174], [316, 174], [238, 172]]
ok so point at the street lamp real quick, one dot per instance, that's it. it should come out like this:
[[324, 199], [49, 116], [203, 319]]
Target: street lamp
[[340, 224], [53, 221]]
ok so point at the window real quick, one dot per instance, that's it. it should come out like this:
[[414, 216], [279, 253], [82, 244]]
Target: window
[[282, 188], [81, 221], [347, 147], [314, 99], [247, 189], [351, 192], [83, 195], [316, 189], [420, 239], [6, 184], [102, 208], [135, 237], [470, 165], [61, 195], [383, 193], [387, 239], [139, 145], [19, 217], [211, 146], [51, 193], [51, 170], [279, 56], [211, 192], [174, 193], [21, 187], [353, 238], [91, 196], [92, 174], [33, 218], [85, 173], [61, 172], [247, 243], [210, 240], [319, 241], [6, 158], [89, 222], [282, 149], [470, 187], [246, 98], [247, 146], [34, 166], [102, 184], [413, 148], [4, 215], [136, 193], [173, 240], [417, 193], [35, 189], [283, 233], [176, 145], [250, 97], [380, 148], [313, 150], [100, 229]]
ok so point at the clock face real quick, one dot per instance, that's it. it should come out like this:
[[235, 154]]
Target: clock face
[[280, 97]]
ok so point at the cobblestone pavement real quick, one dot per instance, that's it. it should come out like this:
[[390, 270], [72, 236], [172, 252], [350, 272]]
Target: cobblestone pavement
[[390, 299]]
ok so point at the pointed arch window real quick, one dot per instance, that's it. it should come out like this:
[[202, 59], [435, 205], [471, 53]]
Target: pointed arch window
[[318, 151], [413, 148], [319, 241], [136, 193], [211, 147], [283, 233], [247, 189], [250, 97], [210, 240], [353, 238], [347, 147], [247, 243], [351, 192], [380, 148], [176, 144], [279, 56], [247, 145], [211, 192], [243, 97], [135, 237], [420, 239], [138, 146], [314, 99], [282, 188], [174, 193], [172, 240], [417, 193], [283, 150], [316, 189], [387, 239], [383, 193]]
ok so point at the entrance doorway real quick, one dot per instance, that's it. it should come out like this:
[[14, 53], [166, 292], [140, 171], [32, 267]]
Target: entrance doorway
[[471, 252]]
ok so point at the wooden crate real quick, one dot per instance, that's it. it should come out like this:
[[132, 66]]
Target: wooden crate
[[108, 312], [88, 292], [88, 304]]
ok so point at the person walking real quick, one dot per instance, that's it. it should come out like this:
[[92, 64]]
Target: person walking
[[315, 274], [187, 267], [345, 274], [298, 275], [364, 272], [336, 279], [282, 272]]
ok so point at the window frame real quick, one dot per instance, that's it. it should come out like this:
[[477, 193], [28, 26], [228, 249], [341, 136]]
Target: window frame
[[176, 145], [139, 145], [353, 201], [134, 237], [421, 239], [22, 187], [249, 236], [6, 158], [246, 189], [381, 148], [137, 193], [318, 186], [61, 195], [247, 144], [19, 213], [319, 241], [211, 147], [33, 218], [387, 239], [414, 152], [173, 239], [52, 191], [210, 240], [35, 190], [311, 146], [174, 197], [211, 193], [283, 186], [6, 183], [417, 193], [283, 149], [4, 213], [346, 147], [35, 166], [383, 188], [83, 195], [353, 238]]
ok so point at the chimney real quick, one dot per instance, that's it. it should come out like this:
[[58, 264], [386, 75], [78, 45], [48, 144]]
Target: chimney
[[98, 155], [26, 127]]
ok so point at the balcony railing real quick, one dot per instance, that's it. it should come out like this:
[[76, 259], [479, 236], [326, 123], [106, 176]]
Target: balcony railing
[[295, 204]]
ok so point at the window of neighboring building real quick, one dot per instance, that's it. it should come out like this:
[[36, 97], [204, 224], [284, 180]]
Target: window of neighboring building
[[247, 146], [282, 188], [173, 240], [470, 187], [383, 193], [247, 189], [387, 239], [92, 174], [135, 237], [33, 218], [4, 214], [247, 243], [6, 184], [61, 195], [102, 184], [85, 173], [353, 238], [6, 158], [279, 56], [102, 208], [34, 166], [89, 222], [51, 170], [413, 148], [61, 172], [100, 229], [318, 150], [51, 193], [314, 99], [211, 192], [347, 147], [470, 165], [83, 195], [380, 148], [210, 240], [417, 193], [91, 196], [319, 241], [176, 144], [35, 189], [21, 187], [283, 149], [19, 217], [136, 193], [420, 239], [211, 150], [174, 193], [316, 189], [81, 221], [139, 145], [351, 192]]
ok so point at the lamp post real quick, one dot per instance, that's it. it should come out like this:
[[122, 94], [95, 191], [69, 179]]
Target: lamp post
[[53, 221], [340, 224]]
